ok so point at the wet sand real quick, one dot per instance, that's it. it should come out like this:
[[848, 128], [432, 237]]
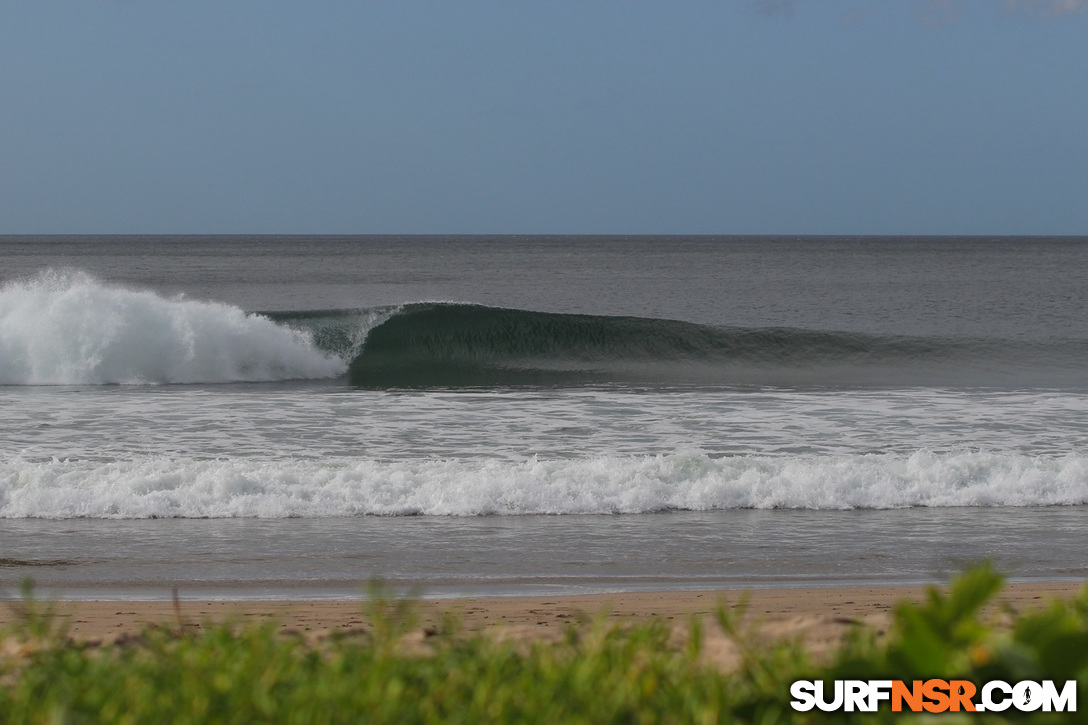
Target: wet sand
[[819, 616]]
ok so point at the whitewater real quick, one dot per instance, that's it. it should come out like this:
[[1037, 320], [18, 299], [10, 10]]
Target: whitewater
[[169, 487], [66, 328], [269, 416]]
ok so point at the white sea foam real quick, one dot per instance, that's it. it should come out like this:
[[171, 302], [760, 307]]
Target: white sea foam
[[67, 328], [165, 487]]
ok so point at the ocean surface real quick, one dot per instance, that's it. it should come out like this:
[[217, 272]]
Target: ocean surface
[[254, 417]]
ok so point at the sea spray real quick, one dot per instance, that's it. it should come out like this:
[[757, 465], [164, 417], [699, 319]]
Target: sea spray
[[67, 328]]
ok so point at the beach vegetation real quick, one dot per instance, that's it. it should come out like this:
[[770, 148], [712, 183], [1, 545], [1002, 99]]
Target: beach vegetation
[[394, 672]]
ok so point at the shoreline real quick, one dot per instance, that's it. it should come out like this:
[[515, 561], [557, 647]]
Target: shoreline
[[283, 593], [820, 616]]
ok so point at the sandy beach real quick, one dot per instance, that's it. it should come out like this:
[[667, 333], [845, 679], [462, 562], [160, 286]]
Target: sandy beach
[[819, 616]]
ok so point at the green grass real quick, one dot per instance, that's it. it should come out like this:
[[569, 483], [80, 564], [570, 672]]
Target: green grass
[[597, 674]]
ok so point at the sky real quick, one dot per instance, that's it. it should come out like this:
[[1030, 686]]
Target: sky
[[546, 117]]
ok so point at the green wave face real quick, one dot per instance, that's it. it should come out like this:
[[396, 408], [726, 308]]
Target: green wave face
[[460, 345], [472, 345], [457, 345]]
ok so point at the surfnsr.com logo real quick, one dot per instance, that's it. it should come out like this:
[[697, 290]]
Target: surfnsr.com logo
[[934, 696]]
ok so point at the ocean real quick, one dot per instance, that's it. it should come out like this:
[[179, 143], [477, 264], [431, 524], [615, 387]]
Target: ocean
[[289, 417]]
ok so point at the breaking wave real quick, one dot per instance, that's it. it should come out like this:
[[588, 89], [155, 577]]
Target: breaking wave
[[66, 328]]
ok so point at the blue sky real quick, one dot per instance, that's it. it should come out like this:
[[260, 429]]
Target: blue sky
[[465, 116]]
